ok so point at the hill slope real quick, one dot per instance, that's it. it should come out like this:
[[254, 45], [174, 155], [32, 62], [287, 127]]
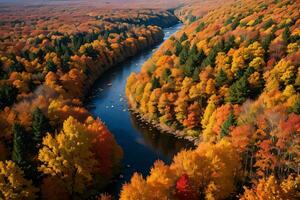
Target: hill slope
[[230, 80]]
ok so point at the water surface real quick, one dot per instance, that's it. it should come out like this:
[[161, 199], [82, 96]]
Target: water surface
[[142, 144]]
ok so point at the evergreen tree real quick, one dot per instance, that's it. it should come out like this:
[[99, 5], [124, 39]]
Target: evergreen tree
[[16, 67], [65, 62], [155, 83], [178, 48], [221, 78], [227, 124], [50, 66], [286, 35], [200, 27], [183, 37], [91, 52], [184, 54], [296, 107], [8, 95], [230, 43], [40, 126], [166, 75], [18, 152], [238, 92]]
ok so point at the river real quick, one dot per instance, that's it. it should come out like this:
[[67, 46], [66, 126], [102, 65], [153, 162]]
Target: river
[[142, 144]]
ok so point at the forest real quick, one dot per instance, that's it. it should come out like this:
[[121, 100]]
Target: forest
[[228, 81], [47, 65]]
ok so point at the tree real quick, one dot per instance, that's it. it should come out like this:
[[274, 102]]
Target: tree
[[8, 94], [155, 83], [91, 52], [19, 145], [221, 78], [16, 67], [271, 188], [178, 48], [183, 37], [227, 124], [40, 126], [296, 107], [13, 185], [200, 27], [51, 66], [185, 189], [184, 54], [68, 157], [286, 35], [136, 189], [238, 91]]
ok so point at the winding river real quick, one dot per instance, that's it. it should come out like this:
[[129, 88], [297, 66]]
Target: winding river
[[142, 144]]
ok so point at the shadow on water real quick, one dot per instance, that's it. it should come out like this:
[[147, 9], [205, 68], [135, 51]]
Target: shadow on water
[[141, 143], [165, 143]]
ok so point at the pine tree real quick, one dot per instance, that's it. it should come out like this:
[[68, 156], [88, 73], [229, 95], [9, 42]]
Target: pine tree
[[155, 83], [184, 54], [18, 152], [227, 124], [184, 37], [40, 126], [8, 94], [221, 78], [178, 48], [286, 35], [238, 92], [50, 66]]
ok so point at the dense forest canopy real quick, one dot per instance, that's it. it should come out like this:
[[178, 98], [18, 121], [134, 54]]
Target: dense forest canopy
[[50, 56], [229, 81]]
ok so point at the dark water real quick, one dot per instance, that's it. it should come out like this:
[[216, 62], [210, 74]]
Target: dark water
[[142, 144]]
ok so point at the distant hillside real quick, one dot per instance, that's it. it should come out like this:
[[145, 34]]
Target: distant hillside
[[161, 4]]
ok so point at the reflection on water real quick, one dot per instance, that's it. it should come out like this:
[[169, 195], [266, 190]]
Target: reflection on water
[[165, 143], [141, 143]]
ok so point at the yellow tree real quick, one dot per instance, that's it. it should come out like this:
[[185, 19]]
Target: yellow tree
[[136, 189], [270, 188], [68, 157], [161, 180], [12, 183]]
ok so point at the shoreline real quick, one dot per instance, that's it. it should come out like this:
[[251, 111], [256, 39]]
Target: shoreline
[[104, 68], [164, 129]]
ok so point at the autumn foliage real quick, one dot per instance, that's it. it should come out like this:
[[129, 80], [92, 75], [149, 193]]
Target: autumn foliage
[[47, 65], [231, 74]]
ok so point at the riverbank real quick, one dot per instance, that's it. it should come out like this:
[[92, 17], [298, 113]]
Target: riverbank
[[156, 38], [142, 143], [164, 128]]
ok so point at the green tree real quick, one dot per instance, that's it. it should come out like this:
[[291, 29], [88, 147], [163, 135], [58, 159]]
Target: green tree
[[184, 54], [221, 78], [238, 92], [40, 126], [16, 67], [91, 52], [267, 41], [155, 83], [227, 124], [18, 151], [286, 35], [230, 43], [178, 48], [296, 107], [8, 95], [200, 27], [183, 37], [50, 66]]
